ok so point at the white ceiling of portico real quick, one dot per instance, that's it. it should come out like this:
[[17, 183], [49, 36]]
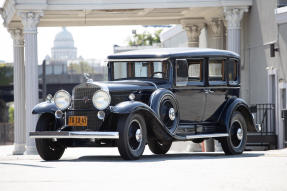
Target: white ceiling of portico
[[117, 12]]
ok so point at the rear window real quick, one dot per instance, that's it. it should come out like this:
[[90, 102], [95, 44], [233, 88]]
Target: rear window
[[233, 70]]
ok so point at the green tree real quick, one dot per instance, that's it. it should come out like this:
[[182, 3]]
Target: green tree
[[145, 38], [80, 68], [6, 75], [11, 114]]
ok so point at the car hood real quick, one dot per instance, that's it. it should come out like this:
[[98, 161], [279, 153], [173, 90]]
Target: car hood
[[126, 85]]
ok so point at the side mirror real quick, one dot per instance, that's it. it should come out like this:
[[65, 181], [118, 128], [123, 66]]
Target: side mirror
[[181, 70], [49, 98]]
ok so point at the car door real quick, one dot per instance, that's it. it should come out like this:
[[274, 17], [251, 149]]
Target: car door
[[216, 90], [190, 95]]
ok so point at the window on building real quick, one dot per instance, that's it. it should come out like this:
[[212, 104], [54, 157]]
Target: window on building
[[283, 98], [216, 70], [195, 70], [282, 3]]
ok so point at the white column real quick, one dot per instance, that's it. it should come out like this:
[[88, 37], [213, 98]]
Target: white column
[[193, 28], [30, 21], [233, 18], [19, 91], [217, 35]]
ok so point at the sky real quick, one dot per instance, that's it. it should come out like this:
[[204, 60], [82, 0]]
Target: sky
[[92, 42]]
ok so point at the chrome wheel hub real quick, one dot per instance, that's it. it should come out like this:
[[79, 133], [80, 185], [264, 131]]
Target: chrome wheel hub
[[171, 114], [139, 135], [239, 134]]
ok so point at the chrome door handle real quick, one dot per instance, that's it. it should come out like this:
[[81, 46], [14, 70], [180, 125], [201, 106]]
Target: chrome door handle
[[211, 91], [206, 91]]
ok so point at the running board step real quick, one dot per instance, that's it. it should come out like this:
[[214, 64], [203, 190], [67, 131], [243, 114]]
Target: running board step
[[203, 136]]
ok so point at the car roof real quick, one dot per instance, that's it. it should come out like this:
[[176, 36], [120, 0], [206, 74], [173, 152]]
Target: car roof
[[173, 53]]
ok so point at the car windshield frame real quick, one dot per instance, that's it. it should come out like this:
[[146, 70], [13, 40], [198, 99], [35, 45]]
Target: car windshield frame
[[140, 62]]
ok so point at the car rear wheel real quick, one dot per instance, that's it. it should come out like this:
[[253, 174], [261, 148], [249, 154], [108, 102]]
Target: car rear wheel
[[236, 141], [48, 149], [159, 148], [132, 136]]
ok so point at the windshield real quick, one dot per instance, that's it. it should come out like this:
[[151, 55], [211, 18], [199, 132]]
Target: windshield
[[147, 69]]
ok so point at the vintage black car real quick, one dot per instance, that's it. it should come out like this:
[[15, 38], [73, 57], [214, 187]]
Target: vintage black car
[[153, 97]]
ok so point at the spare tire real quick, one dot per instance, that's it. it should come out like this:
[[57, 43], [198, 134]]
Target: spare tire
[[164, 104]]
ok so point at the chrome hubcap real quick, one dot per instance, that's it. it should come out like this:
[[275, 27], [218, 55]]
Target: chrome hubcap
[[236, 134], [239, 134], [139, 135], [171, 114], [135, 135]]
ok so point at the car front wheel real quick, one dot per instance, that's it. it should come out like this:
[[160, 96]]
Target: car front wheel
[[236, 141], [132, 136], [48, 149]]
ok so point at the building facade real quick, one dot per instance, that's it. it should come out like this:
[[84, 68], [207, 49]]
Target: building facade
[[263, 76]]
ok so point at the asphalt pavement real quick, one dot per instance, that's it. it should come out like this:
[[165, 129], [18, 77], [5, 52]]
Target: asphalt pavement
[[103, 169]]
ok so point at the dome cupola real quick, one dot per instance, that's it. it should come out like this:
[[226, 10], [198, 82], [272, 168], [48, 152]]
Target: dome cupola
[[64, 46]]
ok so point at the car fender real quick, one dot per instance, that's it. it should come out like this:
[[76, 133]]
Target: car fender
[[45, 107], [157, 95], [237, 104], [155, 126]]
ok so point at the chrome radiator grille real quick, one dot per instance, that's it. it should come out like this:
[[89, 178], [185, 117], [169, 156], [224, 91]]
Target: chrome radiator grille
[[82, 105], [82, 96]]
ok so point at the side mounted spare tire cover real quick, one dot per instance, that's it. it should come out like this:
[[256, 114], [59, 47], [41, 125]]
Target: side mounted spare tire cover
[[164, 104]]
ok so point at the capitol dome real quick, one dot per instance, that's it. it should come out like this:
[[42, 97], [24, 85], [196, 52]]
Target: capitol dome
[[64, 46]]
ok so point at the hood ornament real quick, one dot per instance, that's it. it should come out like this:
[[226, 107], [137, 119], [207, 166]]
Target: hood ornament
[[87, 77], [85, 99]]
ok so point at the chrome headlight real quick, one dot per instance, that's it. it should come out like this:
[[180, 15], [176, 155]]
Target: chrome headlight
[[101, 99], [62, 99]]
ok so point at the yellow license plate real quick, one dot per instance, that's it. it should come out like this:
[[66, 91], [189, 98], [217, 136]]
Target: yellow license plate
[[78, 121]]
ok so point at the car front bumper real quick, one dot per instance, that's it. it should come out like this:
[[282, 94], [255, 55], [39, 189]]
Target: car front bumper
[[74, 135]]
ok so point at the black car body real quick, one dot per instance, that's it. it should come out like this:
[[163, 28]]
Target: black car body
[[152, 97]]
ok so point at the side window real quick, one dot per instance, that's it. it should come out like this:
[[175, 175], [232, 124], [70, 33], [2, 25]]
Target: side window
[[141, 69], [181, 70], [195, 70], [216, 70], [120, 70], [232, 70]]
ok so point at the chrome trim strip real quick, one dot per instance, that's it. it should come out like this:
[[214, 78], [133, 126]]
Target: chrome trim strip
[[136, 59], [74, 135], [201, 136], [195, 87]]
